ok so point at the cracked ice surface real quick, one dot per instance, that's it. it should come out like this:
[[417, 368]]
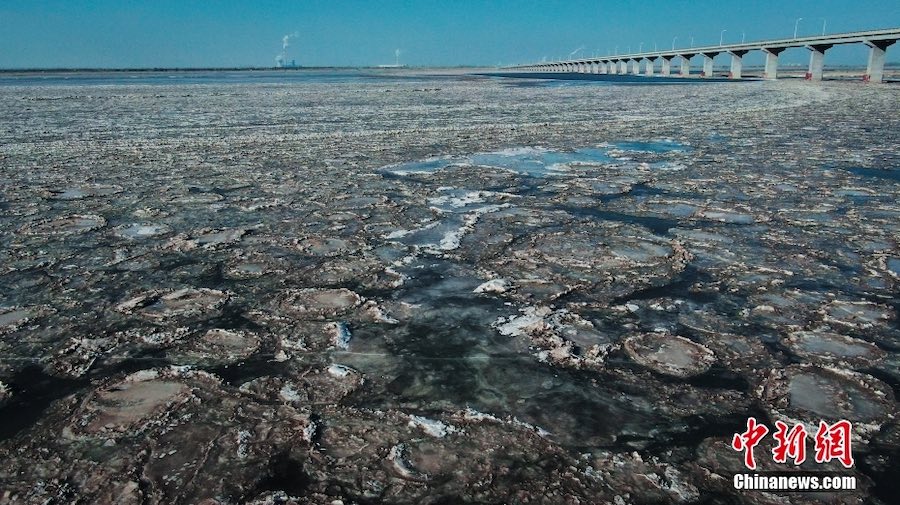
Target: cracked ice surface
[[440, 289]]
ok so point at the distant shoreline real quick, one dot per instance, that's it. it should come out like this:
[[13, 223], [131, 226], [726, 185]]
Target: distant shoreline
[[224, 69], [894, 65]]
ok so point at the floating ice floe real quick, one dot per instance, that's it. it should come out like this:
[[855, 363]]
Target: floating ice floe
[[827, 347], [12, 318], [84, 191], [182, 303], [858, 315], [142, 230], [669, 354], [70, 225], [319, 303], [810, 392]]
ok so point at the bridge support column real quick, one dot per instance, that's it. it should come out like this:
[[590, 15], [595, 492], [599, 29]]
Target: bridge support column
[[771, 71], [707, 65], [635, 67], [666, 66], [816, 62], [737, 64], [623, 67], [875, 68], [686, 64], [650, 70]]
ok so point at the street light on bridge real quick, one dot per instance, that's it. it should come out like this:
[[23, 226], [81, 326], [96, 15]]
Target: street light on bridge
[[722, 37], [797, 25]]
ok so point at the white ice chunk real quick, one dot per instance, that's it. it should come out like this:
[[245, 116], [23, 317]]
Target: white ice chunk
[[432, 427], [493, 286]]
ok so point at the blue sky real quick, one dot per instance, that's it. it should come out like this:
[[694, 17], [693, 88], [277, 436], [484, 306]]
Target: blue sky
[[214, 33]]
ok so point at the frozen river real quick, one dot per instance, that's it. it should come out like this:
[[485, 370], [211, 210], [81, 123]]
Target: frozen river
[[397, 287]]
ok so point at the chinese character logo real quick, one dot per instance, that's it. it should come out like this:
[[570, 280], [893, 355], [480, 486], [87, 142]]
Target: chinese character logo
[[791, 444], [832, 441], [749, 439]]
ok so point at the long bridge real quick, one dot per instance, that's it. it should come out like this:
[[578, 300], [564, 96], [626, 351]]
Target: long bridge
[[877, 40]]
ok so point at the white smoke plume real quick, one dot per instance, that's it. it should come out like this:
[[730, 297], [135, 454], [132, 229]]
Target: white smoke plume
[[281, 58]]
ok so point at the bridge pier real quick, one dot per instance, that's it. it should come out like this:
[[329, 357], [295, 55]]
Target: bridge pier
[[649, 70], [737, 64], [666, 66], [623, 67], [875, 68], [686, 64], [708, 64], [816, 61], [771, 71], [635, 67]]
